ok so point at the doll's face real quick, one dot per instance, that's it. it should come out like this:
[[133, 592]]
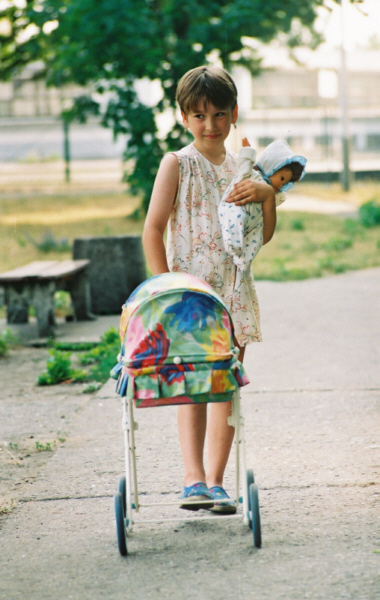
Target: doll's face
[[280, 178]]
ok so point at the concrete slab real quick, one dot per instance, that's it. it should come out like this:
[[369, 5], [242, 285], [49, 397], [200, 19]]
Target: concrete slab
[[311, 423]]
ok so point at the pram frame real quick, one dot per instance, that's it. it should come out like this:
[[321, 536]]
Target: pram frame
[[127, 498]]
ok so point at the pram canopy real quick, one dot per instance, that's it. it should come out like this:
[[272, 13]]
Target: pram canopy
[[177, 344]]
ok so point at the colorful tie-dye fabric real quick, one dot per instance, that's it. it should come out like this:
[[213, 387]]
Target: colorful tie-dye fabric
[[177, 344]]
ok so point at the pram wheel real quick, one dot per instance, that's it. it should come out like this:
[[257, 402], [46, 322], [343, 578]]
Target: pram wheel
[[120, 524], [250, 479], [255, 512], [123, 491]]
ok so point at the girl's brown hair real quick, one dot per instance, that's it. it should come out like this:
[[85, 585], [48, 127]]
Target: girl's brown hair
[[206, 84]]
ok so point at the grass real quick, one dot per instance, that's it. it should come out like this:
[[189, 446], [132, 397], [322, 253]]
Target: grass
[[27, 222], [322, 246], [359, 192], [40, 216]]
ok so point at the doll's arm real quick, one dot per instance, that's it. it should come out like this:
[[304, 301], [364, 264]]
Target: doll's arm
[[246, 160]]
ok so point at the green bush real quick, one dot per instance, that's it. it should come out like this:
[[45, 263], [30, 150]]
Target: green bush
[[7, 340], [369, 213], [59, 369], [3, 346], [297, 225], [103, 357], [62, 303]]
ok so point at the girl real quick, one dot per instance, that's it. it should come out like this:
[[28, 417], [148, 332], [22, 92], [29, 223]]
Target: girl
[[185, 198]]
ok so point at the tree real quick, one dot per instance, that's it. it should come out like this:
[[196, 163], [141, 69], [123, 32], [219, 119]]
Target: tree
[[108, 45]]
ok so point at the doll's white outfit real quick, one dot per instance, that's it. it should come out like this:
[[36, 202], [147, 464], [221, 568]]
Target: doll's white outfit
[[242, 226], [195, 242]]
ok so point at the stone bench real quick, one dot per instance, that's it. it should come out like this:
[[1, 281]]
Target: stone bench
[[117, 267], [34, 285]]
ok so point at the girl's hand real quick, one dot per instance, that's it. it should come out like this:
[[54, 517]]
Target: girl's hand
[[251, 191]]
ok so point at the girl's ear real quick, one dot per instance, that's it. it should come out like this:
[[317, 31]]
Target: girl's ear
[[184, 120], [235, 114]]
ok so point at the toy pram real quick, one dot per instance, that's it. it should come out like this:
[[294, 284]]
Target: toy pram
[[177, 347]]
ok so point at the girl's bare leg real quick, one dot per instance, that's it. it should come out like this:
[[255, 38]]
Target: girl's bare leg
[[220, 436], [192, 419]]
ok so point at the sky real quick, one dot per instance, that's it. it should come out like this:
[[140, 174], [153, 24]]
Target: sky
[[361, 21]]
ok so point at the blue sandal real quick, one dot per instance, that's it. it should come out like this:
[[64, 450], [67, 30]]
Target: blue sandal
[[196, 496], [226, 506]]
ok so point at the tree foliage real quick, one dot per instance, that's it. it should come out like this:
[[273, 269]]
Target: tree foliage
[[107, 45]]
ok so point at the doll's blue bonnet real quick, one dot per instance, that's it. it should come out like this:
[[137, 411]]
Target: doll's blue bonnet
[[277, 155]]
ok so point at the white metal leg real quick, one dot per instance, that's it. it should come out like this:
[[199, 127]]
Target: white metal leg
[[132, 448], [129, 427], [237, 420], [244, 471]]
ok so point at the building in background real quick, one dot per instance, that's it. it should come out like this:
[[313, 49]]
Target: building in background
[[297, 102], [300, 103], [31, 127]]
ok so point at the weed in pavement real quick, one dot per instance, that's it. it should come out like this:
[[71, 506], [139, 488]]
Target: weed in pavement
[[100, 359], [7, 341], [59, 369]]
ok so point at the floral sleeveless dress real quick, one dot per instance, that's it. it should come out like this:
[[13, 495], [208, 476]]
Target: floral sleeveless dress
[[195, 241]]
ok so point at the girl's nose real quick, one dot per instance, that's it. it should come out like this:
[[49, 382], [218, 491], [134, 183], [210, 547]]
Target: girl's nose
[[209, 123]]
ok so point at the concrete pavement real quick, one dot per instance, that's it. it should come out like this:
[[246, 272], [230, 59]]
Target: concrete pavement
[[311, 414]]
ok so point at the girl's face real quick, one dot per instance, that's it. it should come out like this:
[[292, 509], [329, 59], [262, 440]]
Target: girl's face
[[280, 178], [209, 125]]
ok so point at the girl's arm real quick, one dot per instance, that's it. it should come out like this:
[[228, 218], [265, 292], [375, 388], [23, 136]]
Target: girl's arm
[[269, 217], [257, 191], [161, 204]]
